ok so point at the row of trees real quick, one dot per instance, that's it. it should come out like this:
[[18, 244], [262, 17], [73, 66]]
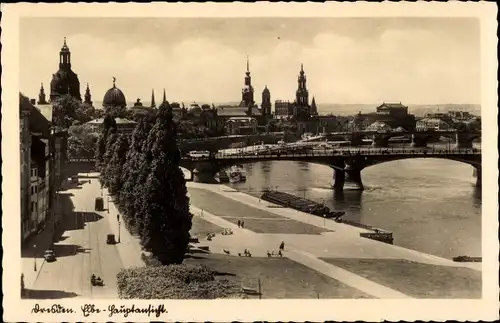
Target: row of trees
[[142, 172]]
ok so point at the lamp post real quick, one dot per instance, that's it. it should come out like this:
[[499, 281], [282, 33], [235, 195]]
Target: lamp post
[[108, 203], [34, 257], [119, 231]]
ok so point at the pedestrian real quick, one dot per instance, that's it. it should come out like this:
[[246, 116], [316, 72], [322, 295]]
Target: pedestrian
[[242, 224], [118, 217], [282, 245], [239, 224]]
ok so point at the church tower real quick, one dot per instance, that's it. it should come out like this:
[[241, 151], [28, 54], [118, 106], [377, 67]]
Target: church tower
[[41, 96], [266, 102], [247, 100], [65, 81], [302, 95], [88, 96], [314, 109], [153, 104]]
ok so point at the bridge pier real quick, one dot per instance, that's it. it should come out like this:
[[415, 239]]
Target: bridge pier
[[347, 176], [204, 173], [338, 179], [462, 140], [380, 141], [356, 140], [417, 141], [478, 174], [353, 179]]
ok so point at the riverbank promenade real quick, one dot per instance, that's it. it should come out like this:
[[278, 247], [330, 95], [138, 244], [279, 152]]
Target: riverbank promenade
[[333, 249]]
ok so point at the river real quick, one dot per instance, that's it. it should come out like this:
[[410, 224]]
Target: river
[[430, 205]]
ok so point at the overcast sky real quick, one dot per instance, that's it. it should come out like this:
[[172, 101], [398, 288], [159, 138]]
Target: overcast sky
[[416, 61]]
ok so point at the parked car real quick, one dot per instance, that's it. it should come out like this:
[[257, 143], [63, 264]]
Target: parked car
[[99, 204], [110, 239], [49, 255]]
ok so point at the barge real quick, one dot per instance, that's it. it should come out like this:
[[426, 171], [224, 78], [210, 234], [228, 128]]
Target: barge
[[467, 259], [300, 204], [311, 207], [374, 233]]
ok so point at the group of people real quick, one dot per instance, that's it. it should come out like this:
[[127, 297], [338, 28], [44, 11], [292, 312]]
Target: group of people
[[241, 224], [95, 280], [227, 231], [246, 253], [280, 251]]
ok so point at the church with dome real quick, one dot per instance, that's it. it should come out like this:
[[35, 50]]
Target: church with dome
[[65, 81]]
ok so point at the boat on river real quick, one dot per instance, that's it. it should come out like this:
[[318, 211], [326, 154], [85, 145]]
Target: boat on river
[[300, 204], [237, 174]]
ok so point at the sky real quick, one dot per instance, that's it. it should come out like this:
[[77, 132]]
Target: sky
[[346, 60]]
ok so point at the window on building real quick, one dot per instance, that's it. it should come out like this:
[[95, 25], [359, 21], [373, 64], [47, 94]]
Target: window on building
[[32, 207]]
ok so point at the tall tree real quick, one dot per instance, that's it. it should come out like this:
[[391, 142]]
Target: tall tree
[[108, 154], [107, 124], [167, 220], [131, 192], [116, 163]]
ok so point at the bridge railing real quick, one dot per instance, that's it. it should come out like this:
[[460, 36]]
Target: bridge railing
[[346, 152]]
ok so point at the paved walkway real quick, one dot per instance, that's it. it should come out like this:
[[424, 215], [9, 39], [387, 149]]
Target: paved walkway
[[32, 259], [129, 247], [345, 242], [259, 245]]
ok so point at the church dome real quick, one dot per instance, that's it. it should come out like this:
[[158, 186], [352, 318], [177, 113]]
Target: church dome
[[114, 97], [65, 82]]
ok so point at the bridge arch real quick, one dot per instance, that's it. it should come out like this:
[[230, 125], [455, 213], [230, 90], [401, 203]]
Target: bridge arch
[[347, 167]]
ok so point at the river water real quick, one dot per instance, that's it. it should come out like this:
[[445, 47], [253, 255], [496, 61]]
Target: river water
[[430, 205]]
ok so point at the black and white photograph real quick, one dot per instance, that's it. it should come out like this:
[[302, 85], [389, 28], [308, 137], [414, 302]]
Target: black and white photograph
[[250, 158]]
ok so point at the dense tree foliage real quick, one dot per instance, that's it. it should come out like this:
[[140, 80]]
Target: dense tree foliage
[[143, 172], [107, 124], [115, 167], [167, 220], [66, 111], [82, 141]]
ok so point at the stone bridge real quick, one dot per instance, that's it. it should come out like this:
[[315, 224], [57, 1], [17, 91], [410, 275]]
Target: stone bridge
[[347, 163], [217, 143], [461, 139]]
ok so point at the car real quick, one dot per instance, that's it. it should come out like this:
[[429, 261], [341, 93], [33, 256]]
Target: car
[[110, 239], [49, 255], [99, 204]]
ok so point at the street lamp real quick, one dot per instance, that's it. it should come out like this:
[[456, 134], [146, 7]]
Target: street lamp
[[119, 223], [34, 257], [108, 203]]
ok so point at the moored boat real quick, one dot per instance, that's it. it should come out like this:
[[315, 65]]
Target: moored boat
[[222, 176]]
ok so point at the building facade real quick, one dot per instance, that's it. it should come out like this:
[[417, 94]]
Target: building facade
[[241, 126], [43, 155]]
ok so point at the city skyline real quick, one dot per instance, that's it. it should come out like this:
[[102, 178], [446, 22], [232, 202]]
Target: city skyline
[[344, 59]]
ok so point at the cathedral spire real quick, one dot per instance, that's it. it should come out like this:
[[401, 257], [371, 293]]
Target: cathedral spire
[[114, 81], [153, 104], [164, 96], [248, 65], [88, 96], [41, 96]]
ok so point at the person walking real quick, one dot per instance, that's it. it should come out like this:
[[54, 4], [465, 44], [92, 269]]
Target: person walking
[[239, 224], [282, 245], [242, 224]]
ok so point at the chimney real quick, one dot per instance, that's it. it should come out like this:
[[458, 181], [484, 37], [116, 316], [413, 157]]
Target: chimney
[[33, 101]]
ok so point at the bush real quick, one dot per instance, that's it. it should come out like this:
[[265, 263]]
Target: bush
[[174, 282]]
